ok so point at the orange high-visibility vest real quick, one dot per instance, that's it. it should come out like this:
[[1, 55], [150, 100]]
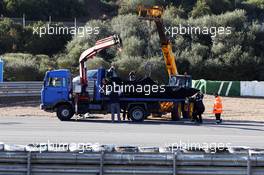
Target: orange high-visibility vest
[[218, 107]]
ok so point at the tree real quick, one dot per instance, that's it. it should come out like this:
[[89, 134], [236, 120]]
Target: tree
[[15, 38], [48, 44], [10, 36], [1, 8], [221, 6], [10, 6], [201, 8], [258, 3]]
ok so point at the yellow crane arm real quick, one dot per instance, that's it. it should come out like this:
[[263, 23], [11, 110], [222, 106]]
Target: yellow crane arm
[[170, 59], [154, 14]]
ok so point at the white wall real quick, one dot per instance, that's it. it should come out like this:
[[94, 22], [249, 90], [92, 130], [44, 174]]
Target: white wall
[[252, 88]]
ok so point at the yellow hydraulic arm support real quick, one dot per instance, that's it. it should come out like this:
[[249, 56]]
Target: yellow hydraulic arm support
[[154, 14]]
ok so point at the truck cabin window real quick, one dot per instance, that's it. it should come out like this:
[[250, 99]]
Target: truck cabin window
[[57, 82]]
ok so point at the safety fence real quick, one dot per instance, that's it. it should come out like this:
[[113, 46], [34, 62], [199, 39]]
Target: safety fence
[[127, 160], [20, 89], [231, 88]]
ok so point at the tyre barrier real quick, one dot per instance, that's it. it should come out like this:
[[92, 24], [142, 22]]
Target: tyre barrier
[[128, 160]]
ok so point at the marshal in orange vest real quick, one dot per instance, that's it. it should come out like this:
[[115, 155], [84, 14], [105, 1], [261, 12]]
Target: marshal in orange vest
[[218, 107]]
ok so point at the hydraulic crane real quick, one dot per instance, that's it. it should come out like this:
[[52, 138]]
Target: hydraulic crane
[[180, 81], [154, 14], [91, 52]]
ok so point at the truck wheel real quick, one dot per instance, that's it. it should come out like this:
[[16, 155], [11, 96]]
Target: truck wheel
[[65, 112], [137, 114]]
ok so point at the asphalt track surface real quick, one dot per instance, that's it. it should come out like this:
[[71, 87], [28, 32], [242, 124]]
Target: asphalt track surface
[[25, 130]]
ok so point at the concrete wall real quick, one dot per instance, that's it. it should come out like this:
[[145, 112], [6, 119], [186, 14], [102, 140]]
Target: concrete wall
[[252, 88]]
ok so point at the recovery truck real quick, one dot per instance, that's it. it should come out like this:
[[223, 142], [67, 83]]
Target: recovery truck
[[82, 94]]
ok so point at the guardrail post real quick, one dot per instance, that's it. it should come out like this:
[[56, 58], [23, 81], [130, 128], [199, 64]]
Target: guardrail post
[[29, 163], [175, 154], [249, 163], [102, 163]]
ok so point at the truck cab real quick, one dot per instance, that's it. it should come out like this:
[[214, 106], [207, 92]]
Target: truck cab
[[56, 91], [59, 90]]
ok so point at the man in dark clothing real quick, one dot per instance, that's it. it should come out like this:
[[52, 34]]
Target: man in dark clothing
[[198, 108], [115, 105], [132, 76], [111, 73]]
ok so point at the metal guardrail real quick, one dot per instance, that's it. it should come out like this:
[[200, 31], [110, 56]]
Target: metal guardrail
[[20, 89], [124, 162], [23, 21]]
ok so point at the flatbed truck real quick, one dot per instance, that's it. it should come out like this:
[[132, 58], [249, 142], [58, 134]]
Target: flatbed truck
[[59, 94]]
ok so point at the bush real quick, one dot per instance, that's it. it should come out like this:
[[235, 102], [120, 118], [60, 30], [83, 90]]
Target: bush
[[155, 67], [20, 67], [201, 8], [26, 67], [126, 64], [129, 25], [97, 63], [258, 3], [133, 46]]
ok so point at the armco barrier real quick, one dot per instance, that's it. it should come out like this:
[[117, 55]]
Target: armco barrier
[[20, 89], [113, 162]]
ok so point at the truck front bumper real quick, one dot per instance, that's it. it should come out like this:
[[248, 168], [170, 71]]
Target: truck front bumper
[[45, 108]]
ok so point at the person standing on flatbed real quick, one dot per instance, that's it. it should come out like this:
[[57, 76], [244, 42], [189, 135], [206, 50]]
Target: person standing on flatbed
[[218, 108]]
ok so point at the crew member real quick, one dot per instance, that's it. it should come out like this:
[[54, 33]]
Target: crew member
[[218, 108], [186, 80], [111, 73], [132, 76], [115, 104], [198, 107]]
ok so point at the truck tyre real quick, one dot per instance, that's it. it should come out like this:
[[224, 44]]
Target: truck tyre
[[137, 114], [65, 112]]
